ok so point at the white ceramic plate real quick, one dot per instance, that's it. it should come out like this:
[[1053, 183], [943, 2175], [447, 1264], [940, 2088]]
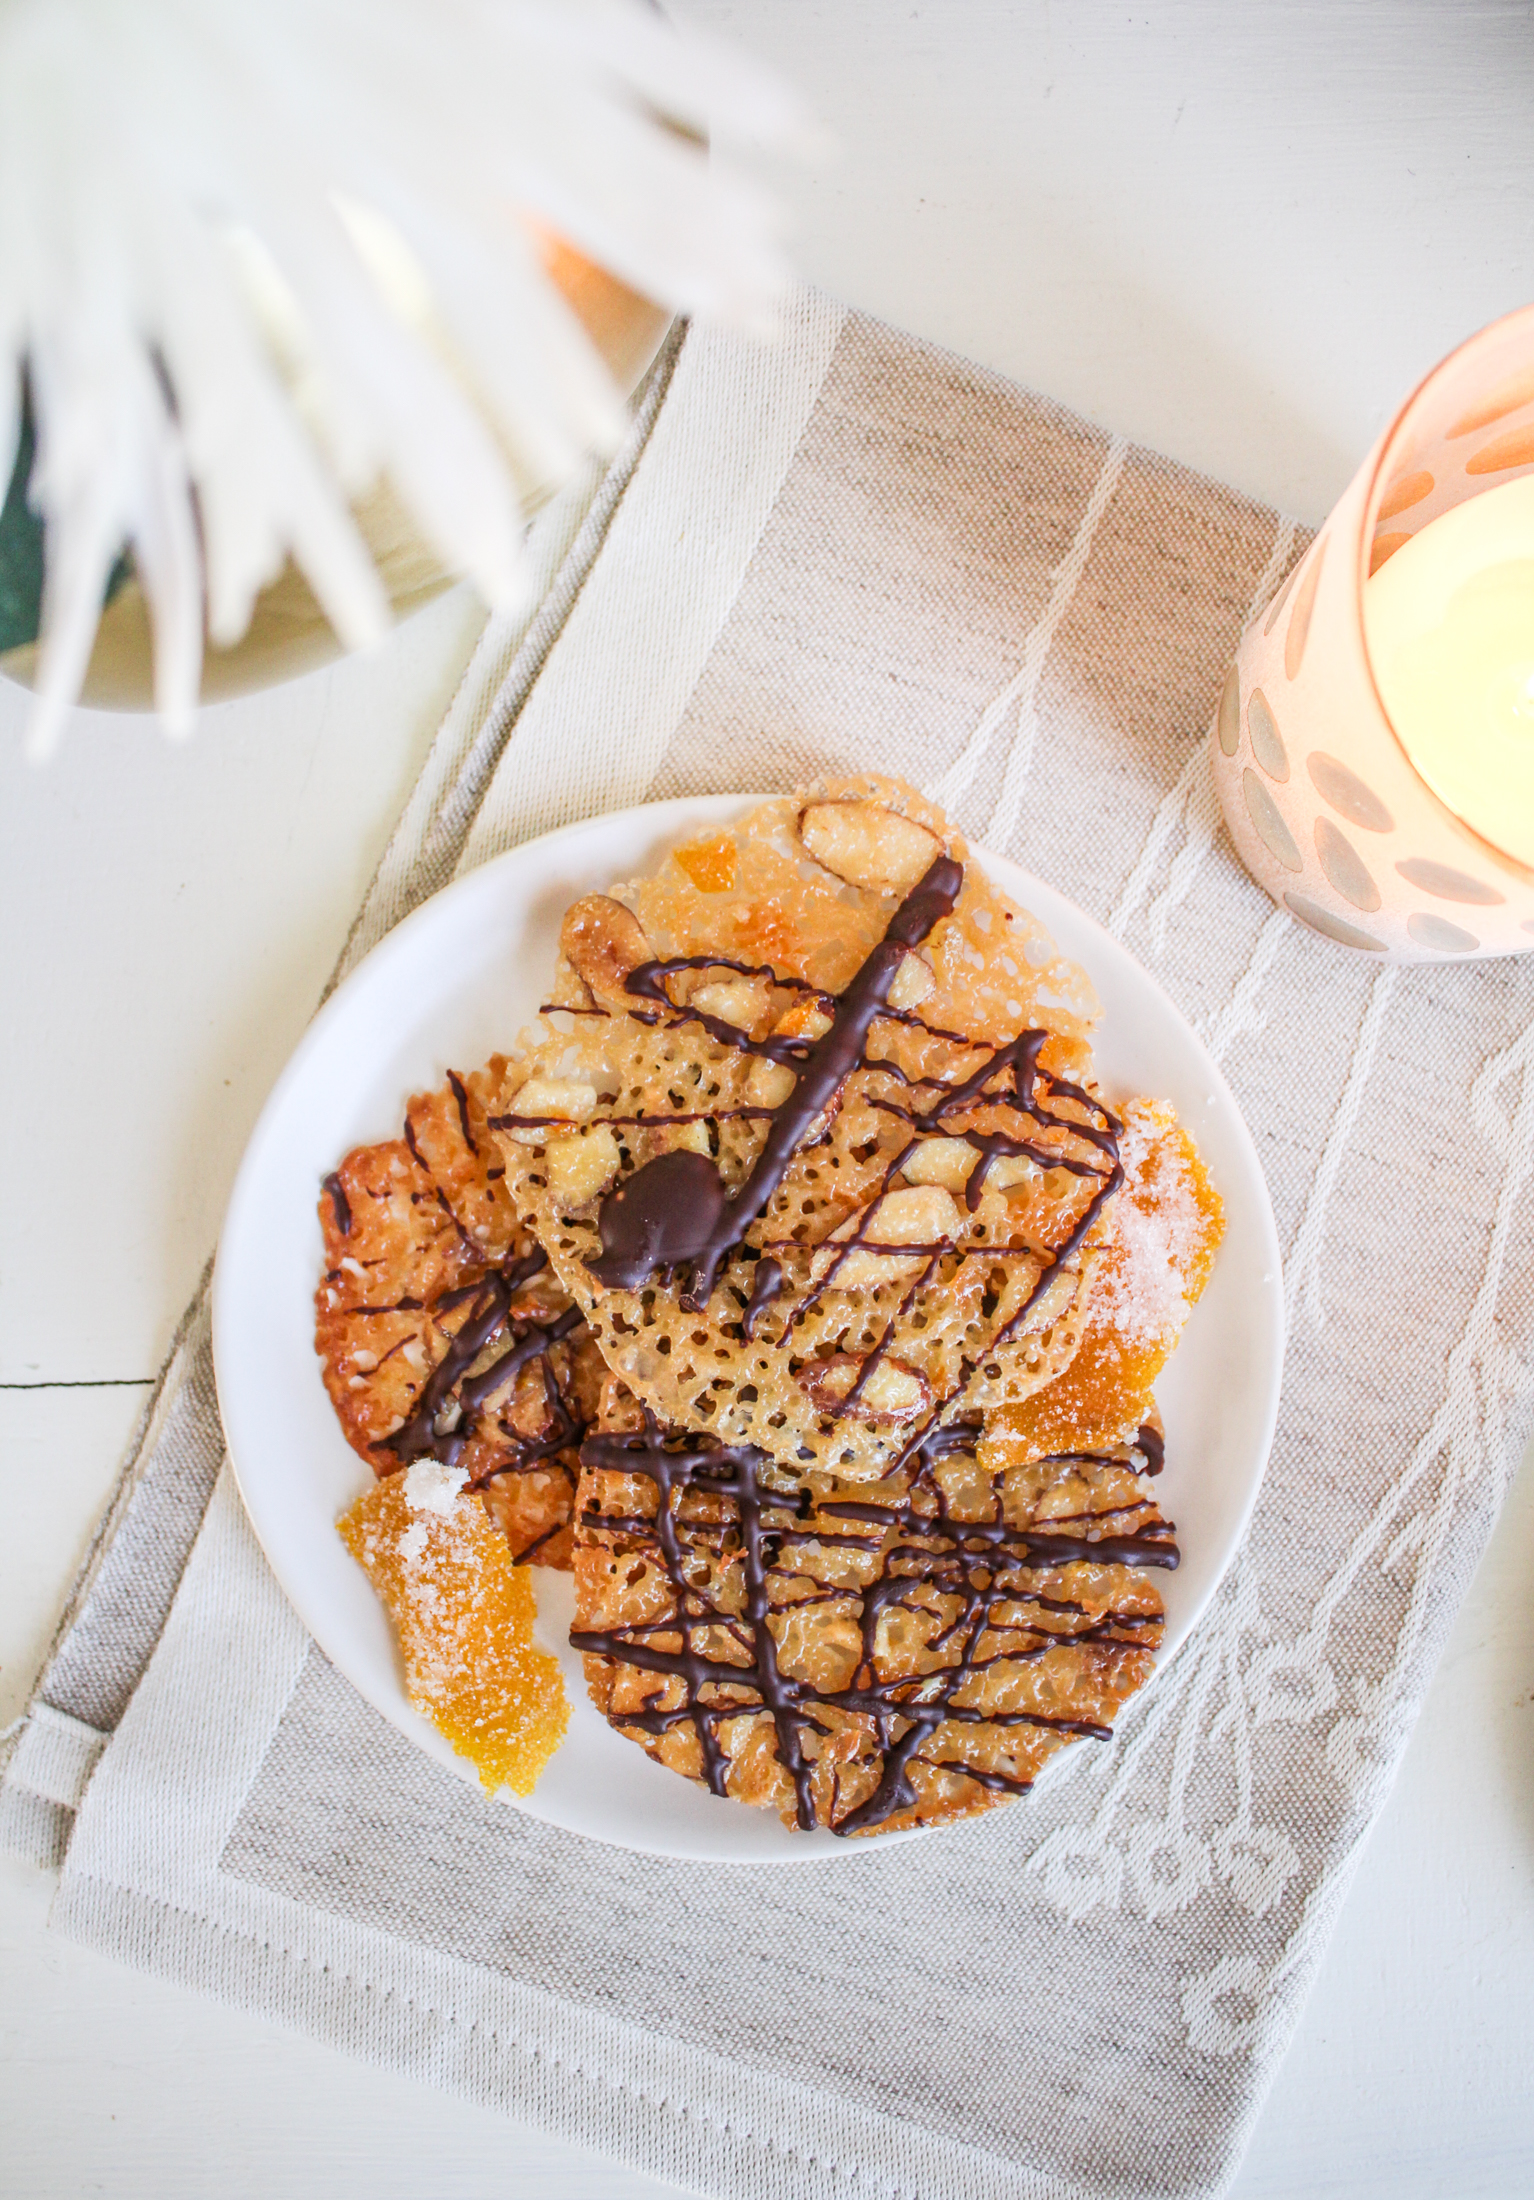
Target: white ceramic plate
[[458, 979]]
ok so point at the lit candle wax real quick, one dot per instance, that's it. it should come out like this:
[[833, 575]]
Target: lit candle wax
[[1450, 626]]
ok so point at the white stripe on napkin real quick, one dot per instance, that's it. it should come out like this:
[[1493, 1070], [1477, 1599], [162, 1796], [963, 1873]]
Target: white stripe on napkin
[[618, 680], [1302, 1276], [1021, 691]]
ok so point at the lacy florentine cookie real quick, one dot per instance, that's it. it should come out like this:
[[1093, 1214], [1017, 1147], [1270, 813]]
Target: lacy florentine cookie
[[463, 1614], [818, 1157], [862, 1659], [808, 882], [442, 1332]]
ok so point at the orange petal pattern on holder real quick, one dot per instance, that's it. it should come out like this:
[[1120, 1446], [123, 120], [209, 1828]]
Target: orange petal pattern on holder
[[1506, 398], [1405, 491], [1504, 452], [1385, 546]]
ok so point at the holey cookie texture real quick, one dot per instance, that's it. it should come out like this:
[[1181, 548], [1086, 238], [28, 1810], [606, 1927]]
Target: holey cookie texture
[[811, 1137]]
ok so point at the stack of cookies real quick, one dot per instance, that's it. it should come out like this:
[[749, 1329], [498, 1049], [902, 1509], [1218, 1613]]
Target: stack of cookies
[[794, 1282]]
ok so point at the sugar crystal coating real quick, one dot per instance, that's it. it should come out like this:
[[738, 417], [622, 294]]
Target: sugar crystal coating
[[1164, 1233], [462, 1612]]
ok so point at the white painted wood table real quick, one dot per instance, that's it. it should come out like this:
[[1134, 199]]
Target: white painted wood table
[[1237, 231]]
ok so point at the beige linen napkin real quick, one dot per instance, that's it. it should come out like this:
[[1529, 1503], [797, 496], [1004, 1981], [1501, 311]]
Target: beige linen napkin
[[850, 550]]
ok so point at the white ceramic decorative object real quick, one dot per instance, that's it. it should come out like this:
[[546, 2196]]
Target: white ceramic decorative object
[[289, 633], [256, 261], [1323, 803]]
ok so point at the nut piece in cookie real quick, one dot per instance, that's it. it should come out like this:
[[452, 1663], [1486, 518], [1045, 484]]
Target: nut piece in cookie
[[867, 844], [600, 942]]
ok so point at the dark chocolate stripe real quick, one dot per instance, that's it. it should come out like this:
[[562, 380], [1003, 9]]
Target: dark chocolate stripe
[[340, 1205], [461, 1099]]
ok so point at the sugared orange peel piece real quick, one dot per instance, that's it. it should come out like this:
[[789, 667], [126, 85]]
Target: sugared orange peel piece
[[1167, 1224], [709, 863], [462, 1612]]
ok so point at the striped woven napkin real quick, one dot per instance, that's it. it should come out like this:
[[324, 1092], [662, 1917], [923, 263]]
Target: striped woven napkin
[[852, 551]]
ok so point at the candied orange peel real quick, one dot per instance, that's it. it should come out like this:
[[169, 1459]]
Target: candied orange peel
[[463, 1613], [1167, 1226], [710, 864]]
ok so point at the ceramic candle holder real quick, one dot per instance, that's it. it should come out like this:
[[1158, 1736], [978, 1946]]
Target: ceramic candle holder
[[1322, 801]]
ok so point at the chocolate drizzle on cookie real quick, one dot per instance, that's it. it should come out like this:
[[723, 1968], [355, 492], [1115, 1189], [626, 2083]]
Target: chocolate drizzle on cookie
[[648, 983], [340, 1205], [653, 1225], [461, 1103], [659, 1219], [765, 1286], [452, 1400], [1031, 1089], [762, 1517], [500, 1375], [732, 1503], [1027, 1089]]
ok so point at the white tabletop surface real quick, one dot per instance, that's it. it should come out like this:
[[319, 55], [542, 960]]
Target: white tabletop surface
[[1236, 230]]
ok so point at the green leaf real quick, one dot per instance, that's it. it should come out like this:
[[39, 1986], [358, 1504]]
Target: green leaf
[[21, 548]]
